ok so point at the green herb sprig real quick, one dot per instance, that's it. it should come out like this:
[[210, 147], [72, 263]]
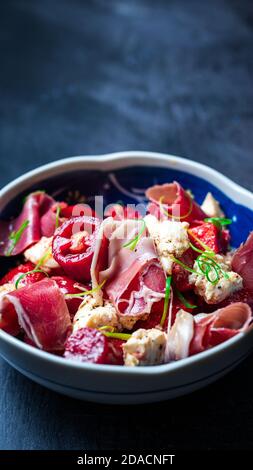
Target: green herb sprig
[[166, 299], [86, 292], [183, 265], [15, 236], [57, 217], [111, 332], [27, 273], [210, 268], [219, 222], [203, 245], [206, 265], [132, 243], [183, 299]]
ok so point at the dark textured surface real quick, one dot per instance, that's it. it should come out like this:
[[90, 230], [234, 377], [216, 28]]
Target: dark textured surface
[[97, 76]]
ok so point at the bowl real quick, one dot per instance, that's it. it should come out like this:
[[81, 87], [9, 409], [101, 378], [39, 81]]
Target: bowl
[[124, 176]]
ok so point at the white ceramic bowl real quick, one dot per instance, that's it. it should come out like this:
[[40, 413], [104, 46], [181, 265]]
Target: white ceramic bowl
[[115, 384]]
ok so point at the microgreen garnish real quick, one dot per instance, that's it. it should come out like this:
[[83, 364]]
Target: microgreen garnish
[[206, 264], [166, 300], [116, 335], [180, 217], [86, 292], [209, 252], [195, 248], [109, 328], [183, 299], [15, 236], [57, 216], [26, 274], [219, 222], [183, 265], [132, 243], [43, 258], [210, 268]]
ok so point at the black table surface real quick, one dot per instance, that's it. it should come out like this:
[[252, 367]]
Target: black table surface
[[90, 77]]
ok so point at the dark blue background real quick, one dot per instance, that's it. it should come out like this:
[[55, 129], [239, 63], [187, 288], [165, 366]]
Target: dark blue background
[[81, 77]]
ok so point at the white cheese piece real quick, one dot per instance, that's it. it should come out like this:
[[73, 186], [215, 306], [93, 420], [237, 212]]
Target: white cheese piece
[[226, 285], [92, 315], [36, 252], [211, 206], [170, 238], [145, 347]]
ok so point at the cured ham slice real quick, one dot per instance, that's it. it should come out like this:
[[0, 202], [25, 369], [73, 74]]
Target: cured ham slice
[[42, 313], [215, 328], [35, 207], [175, 306], [242, 295], [134, 277], [77, 210], [68, 286], [172, 199], [118, 212], [48, 219], [242, 262], [49, 222]]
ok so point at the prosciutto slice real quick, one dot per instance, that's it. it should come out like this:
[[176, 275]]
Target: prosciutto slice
[[35, 208], [42, 313], [242, 262], [134, 278], [48, 218], [215, 328], [175, 201], [193, 334]]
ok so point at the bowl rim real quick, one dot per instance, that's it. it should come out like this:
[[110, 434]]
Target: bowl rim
[[114, 161], [126, 159]]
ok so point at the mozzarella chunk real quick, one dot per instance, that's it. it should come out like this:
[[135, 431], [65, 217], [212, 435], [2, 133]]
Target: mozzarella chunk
[[170, 238], [215, 293], [145, 347], [92, 315], [211, 206], [36, 252]]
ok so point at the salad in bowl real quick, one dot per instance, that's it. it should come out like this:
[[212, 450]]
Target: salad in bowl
[[130, 285]]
